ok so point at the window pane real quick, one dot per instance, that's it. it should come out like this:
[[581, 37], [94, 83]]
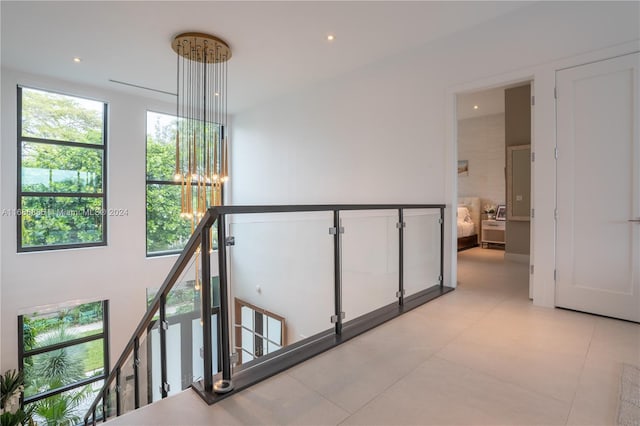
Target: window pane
[[274, 328], [45, 329], [161, 146], [55, 168], [247, 317], [49, 115], [61, 220], [54, 369], [67, 408], [166, 230]]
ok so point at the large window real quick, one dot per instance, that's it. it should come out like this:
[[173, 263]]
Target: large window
[[167, 232], [61, 171], [64, 356]]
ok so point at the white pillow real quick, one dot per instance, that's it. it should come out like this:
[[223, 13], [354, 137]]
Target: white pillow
[[463, 214]]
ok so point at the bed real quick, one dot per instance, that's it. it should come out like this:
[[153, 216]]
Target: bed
[[468, 222]]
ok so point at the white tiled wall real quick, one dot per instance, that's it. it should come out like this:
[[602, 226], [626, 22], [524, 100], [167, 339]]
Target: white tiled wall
[[481, 143]]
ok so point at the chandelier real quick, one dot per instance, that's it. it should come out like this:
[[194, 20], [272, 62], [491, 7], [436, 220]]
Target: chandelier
[[201, 141]]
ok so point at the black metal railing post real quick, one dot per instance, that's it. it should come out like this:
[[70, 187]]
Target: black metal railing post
[[441, 247], [225, 384], [337, 273], [136, 372], [205, 303], [118, 393], [164, 385], [104, 404], [400, 294]]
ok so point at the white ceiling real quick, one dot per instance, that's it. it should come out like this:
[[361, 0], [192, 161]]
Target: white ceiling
[[278, 47], [488, 102]]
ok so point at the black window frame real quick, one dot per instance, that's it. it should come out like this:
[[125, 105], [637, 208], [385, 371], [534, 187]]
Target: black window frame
[[22, 355], [161, 182], [54, 142]]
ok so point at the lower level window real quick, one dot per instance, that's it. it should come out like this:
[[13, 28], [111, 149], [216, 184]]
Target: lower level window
[[64, 356]]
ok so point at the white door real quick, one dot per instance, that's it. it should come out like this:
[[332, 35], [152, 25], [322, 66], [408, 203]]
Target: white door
[[598, 183]]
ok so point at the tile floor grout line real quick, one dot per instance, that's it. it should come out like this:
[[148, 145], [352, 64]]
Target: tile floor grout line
[[387, 388], [500, 379], [584, 363], [320, 395]]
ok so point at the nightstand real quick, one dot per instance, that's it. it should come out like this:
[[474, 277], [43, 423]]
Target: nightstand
[[493, 232]]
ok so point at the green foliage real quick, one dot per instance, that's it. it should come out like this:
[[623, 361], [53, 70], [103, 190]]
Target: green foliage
[[53, 370], [61, 169], [166, 230], [13, 419], [48, 115], [10, 386], [62, 409], [10, 382]]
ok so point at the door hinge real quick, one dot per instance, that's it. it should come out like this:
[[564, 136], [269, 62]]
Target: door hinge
[[332, 230], [555, 214], [555, 152], [533, 100], [533, 213], [230, 241], [555, 93], [334, 318], [555, 274], [533, 157], [531, 269]]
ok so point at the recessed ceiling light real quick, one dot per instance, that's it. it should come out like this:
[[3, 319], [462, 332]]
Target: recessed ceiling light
[[77, 59], [475, 107], [331, 37]]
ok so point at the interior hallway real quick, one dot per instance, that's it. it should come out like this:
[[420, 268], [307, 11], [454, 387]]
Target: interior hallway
[[482, 354]]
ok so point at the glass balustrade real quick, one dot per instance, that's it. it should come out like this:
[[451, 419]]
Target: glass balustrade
[[370, 256], [284, 278], [421, 250], [280, 281]]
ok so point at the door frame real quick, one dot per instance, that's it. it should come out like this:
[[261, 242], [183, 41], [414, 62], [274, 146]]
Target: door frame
[[543, 143], [511, 82]]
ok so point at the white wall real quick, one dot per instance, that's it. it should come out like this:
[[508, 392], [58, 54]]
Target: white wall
[[119, 272], [386, 132], [481, 142]]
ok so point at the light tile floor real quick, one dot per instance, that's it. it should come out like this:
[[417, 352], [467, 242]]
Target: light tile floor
[[482, 355]]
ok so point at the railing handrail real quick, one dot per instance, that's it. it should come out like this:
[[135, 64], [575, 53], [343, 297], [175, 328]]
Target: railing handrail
[[192, 245], [315, 208], [167, 285]]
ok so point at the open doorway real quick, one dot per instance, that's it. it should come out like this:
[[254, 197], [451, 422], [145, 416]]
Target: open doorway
[[494, 188]]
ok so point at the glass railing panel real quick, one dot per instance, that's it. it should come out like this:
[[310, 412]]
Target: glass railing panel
[[370, 260], [182, 308], [127, 385], [110, 402], [147, 380], [154, 371], [281, 280], [421, 249]]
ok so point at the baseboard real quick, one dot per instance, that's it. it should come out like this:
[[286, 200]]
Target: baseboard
[[518, 258]]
